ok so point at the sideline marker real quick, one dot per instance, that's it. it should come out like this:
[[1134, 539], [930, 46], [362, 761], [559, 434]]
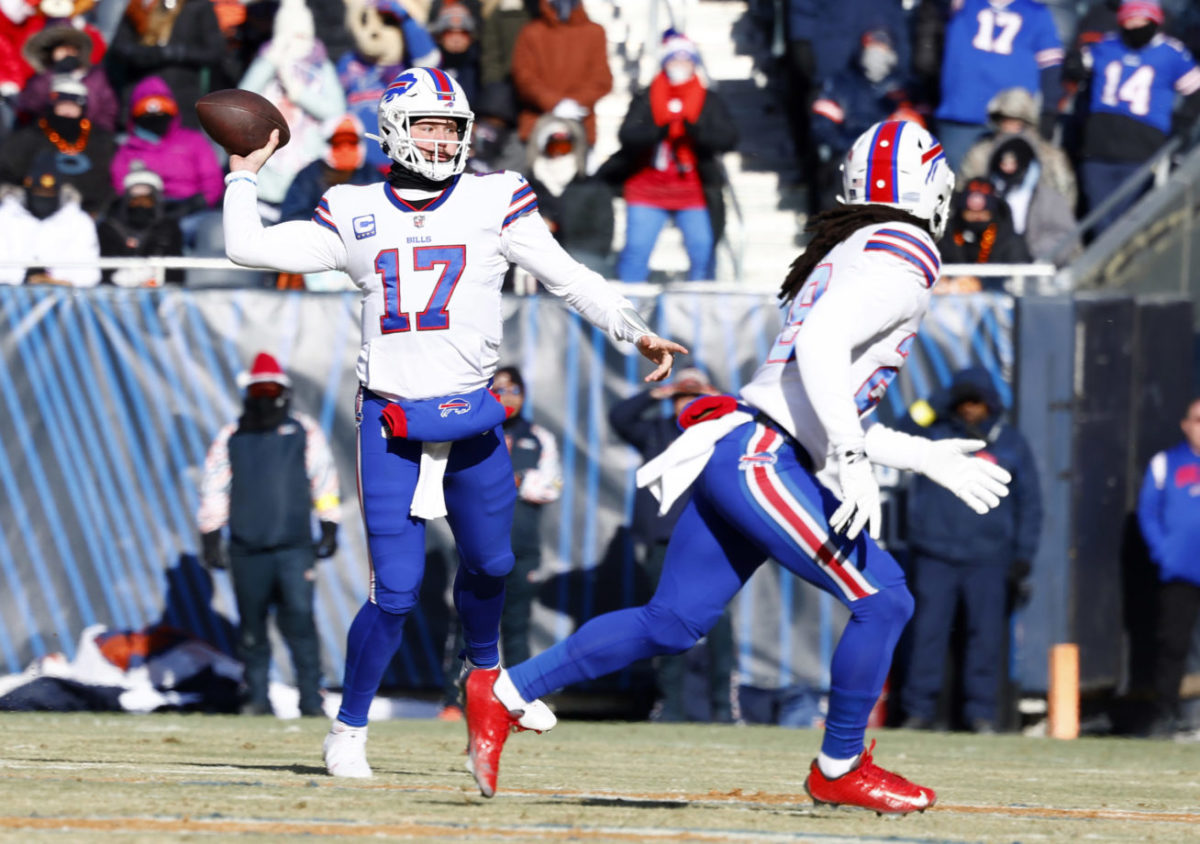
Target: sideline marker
[[1064, 692]]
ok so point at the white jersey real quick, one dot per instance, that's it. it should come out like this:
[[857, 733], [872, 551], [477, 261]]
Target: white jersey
[[846, 335], [430, 267]]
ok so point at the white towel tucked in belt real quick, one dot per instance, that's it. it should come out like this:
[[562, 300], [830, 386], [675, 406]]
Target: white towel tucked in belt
[[429, 501], [670, 474]]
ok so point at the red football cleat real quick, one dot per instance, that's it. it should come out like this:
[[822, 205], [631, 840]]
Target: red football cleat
[[488, 726], [868, 786]]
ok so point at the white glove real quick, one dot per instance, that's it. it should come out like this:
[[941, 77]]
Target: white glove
[[978, 482], [568, 109], [860, 495]]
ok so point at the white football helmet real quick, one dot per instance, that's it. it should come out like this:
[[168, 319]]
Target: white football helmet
[[423, 92], [899, 164]]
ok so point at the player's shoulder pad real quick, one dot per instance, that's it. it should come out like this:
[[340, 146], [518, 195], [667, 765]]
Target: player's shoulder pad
[[908, 244], [521, 201]]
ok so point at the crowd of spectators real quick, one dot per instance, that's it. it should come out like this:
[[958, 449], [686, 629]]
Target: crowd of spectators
[[1053, 103]]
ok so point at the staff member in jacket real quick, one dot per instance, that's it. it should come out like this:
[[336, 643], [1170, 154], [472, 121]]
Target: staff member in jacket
[[961, 558], [264, 477]]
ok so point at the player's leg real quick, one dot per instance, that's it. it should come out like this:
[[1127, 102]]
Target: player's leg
[[294, 615], [253, 585], [706, 565], [936, 590], [758, 482], [984, 654], [387, 475], [480, 495]]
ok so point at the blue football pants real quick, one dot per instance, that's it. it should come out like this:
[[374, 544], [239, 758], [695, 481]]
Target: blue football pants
[[480, 495], [755, 499]]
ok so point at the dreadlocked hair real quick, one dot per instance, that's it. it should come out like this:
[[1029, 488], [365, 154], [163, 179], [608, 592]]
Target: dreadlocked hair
[[829, 228]]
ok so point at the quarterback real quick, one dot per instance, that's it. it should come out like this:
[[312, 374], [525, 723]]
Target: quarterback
[[785, 471], [429, 248]]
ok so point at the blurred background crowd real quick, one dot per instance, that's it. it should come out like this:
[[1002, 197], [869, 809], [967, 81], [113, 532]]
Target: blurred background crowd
[[1044, 109]]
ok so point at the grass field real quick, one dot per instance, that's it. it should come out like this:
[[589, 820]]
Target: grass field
[[188, 778]]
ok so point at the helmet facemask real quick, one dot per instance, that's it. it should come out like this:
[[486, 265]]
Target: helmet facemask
[[398, 143]]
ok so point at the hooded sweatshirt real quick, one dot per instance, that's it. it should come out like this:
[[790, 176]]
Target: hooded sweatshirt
[[182, 157]]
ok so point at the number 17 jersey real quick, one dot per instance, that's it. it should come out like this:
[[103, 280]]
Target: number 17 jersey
[[430, 274]]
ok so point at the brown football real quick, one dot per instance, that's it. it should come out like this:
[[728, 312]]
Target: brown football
[[241, 121]]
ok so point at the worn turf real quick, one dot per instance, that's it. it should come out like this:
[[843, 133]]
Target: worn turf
[[187, 778]]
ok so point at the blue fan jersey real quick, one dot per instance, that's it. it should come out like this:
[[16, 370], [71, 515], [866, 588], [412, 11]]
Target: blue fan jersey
[[1141, 84], [992, 45]]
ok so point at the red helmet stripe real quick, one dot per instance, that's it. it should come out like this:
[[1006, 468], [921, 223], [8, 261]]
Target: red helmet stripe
[[881, 165]]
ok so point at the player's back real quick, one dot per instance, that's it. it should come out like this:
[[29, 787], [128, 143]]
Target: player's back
[[887, 267], [431, 278]]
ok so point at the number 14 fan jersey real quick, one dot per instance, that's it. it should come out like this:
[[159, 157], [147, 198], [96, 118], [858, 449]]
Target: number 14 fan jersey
[[431, 315]]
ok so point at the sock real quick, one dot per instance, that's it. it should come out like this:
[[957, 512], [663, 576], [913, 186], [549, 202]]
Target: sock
[[479, 599], [340, 726], [372, 641], [834, 768]]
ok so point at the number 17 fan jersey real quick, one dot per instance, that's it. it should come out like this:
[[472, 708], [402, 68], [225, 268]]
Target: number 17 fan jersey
[[431, 317]]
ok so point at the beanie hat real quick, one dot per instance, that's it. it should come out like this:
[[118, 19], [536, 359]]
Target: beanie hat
[[1140, 9], [264, 370], [675, 45], [139, 175], [66, 87]]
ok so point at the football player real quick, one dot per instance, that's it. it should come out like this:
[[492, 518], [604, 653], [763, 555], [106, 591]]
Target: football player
[[428, 247], [786, 472]]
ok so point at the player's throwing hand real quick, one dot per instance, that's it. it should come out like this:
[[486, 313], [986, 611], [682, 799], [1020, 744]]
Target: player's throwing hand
[[255, 160], [660, 351]]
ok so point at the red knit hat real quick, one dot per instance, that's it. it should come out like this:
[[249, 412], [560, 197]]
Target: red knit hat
[[265, 370], [1140, 9]]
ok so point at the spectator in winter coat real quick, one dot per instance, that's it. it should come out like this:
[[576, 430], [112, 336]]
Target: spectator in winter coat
[[21, 21], [178, 41], [66, 51], [1013, 112], [182, 158], [456, 34], [578, 209], [560, 67], [1040, 214], [83, 152], [293, 71], [1169, 515], [854, 100], [668, 163], [137, 225], [980, 231], [959, 558], [43, 225], [992, 45], [1137, 74], [501, 25]]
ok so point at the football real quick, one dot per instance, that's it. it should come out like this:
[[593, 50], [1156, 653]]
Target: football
[[241, 121]]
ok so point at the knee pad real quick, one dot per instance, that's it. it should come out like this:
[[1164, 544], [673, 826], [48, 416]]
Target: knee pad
[[396, 603], [497, 565], [668, 632]]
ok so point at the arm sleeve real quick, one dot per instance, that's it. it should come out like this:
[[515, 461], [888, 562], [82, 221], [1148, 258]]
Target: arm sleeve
[[1149, 510], [528, 243], [895, 449], [214, 486], [297, 247], [1029, 503], [847, 315], [543, 483], [322, 472], [626, 420], [1187, 85], [714, 131]]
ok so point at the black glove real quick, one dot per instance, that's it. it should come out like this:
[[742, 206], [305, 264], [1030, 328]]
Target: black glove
[[212, 551], [1019, 588], [327, 546]]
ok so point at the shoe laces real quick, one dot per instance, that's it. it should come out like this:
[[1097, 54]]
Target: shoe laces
[[884, 777]]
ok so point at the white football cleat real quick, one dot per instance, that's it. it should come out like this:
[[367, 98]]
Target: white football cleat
[[346, 751], [531, 715]]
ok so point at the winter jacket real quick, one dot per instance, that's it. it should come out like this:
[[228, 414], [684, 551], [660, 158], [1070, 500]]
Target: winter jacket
[[555, 60], [712, 134], [86, 171], [34, 99], [835, 30], [639, 421], [194, 48], [183, 157], [849, 104], [1056, 167], [67, 235], [942, 526], [119, 239], [581, 217], [1169, 513]]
